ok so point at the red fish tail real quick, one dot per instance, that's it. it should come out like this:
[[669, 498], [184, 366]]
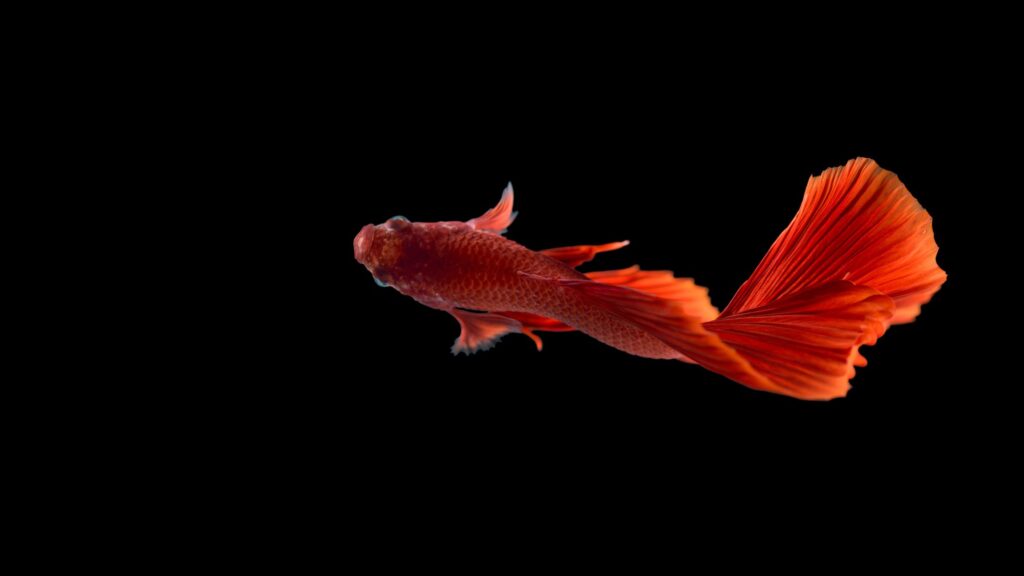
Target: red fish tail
[[806, 345], [857, 223], [858, 256]]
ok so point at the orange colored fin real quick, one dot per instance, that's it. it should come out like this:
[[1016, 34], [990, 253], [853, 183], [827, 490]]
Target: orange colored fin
[[573, 256], [497, 219], [481, 331], [858, 256], [668, 321], [661, 283], [808, 343], [532, 323], [803, 346], [857, 223]]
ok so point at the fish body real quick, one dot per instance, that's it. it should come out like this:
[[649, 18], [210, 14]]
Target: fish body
[[858, 257], [457, 267]]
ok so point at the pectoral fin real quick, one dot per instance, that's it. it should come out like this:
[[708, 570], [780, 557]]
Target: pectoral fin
[[481, 331]]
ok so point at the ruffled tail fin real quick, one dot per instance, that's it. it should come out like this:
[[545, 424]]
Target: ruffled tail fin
[[858, 256], [857, 223]]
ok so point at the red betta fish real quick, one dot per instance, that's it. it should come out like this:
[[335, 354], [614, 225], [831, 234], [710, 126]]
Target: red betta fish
[[858, 257]]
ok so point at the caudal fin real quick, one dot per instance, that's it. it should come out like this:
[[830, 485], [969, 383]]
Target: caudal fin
[[857, 223], [858, 256], [803, 345]]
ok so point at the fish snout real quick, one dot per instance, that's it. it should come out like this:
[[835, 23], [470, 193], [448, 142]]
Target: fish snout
[[361, 245]]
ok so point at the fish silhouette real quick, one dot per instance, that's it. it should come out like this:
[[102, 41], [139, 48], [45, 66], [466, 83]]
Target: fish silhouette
[[858, 257]]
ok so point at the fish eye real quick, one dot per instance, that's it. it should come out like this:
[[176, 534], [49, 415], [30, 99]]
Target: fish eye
[[398, 223], [380, 283]]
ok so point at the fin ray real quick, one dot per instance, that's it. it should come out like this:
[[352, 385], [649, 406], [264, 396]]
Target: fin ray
[[804, 346], [857, 223], [480, 330], [532, 323], [663, 284], [573, 256], [497, 219], [809, 343]]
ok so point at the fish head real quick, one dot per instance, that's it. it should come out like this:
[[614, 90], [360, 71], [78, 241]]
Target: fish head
[[380, 247]]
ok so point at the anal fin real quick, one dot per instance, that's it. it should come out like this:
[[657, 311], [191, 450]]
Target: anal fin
[[531, 323]]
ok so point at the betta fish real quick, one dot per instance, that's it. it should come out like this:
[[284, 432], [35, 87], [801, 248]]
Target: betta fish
[[858, 257]]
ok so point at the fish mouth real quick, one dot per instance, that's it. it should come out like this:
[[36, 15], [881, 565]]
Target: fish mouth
[[362, 243]]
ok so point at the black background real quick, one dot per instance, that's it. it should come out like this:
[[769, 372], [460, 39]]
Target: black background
[[300, 398], [352, 399], [337, 405]]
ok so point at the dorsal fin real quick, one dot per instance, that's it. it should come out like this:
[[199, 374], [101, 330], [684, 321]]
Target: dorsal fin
[[663, 284], [573, 256], [497, 219]]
